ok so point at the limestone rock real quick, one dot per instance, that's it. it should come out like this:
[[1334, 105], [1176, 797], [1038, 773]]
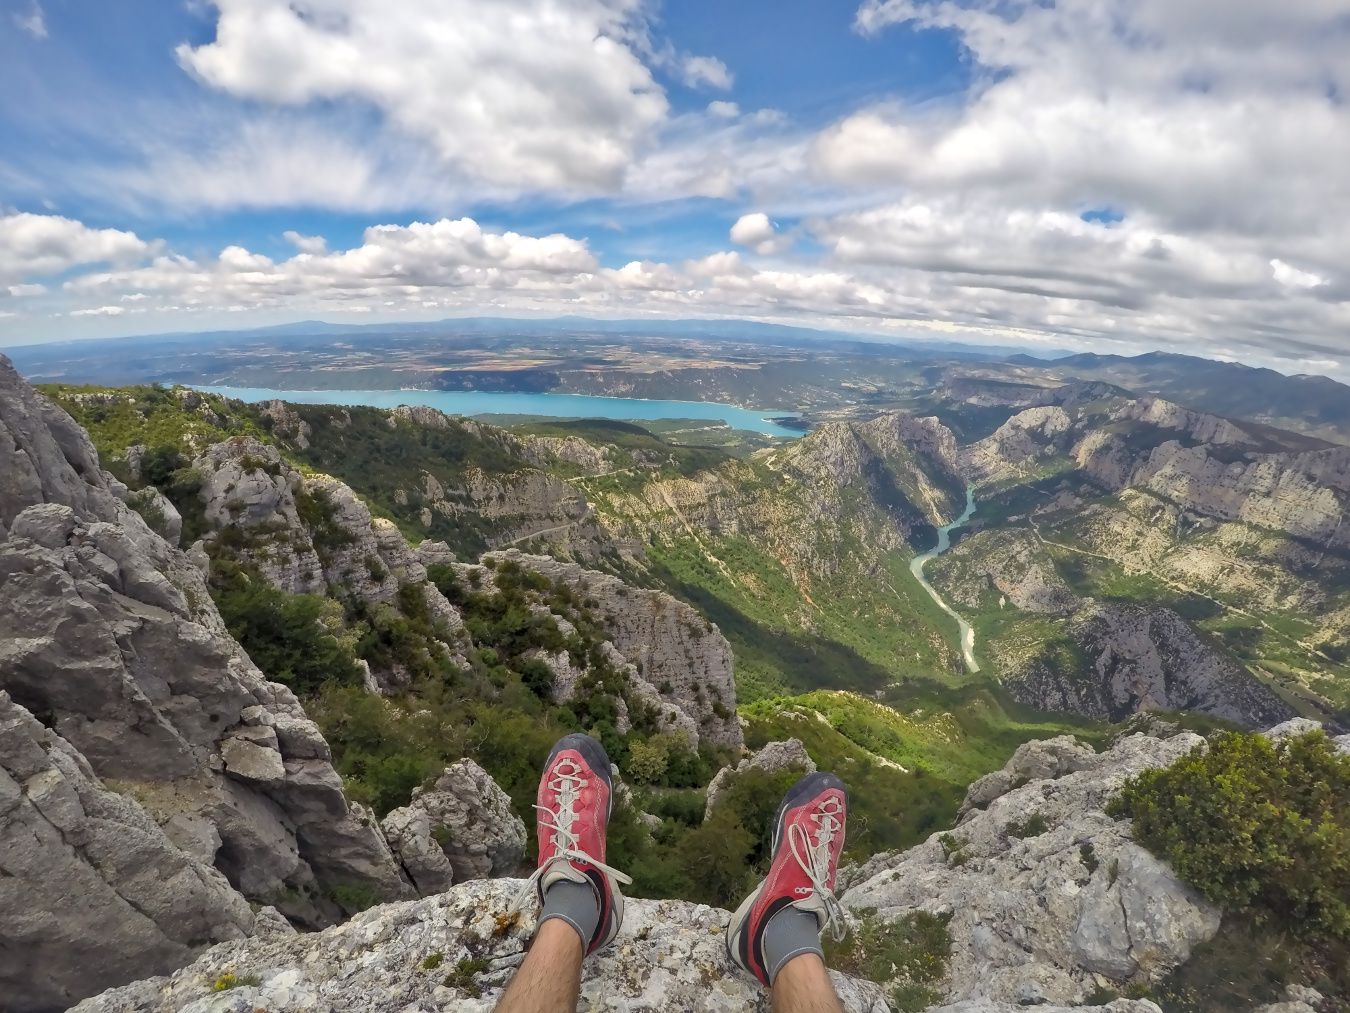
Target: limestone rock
[[162, 516], [669, 955], [467, 818], [1045, 919], [683, 660], [93, 892], [408, 831], [333, 546], [773, 757], [1038, 760], [1301, 726], [109, 634], [1146, 657], [546, 451]]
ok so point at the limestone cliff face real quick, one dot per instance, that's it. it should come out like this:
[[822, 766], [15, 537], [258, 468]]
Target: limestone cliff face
[[676, 659], [94, 891], [1123, 658], [874, 484], [109, 638], [1145, 658], [513, 500], [313, 535], [1206, 464]]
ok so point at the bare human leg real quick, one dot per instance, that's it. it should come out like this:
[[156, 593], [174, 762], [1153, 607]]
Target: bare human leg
[[802, 985], [581, 906], [550, 979]]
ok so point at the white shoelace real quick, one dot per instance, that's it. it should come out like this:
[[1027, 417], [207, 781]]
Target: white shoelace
[[815, 862], [568, 783]]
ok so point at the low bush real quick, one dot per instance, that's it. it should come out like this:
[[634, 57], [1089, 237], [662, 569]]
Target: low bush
[[910, 954], [1261, 828]]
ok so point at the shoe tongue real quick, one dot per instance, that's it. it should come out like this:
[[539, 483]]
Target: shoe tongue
[[561, 869]]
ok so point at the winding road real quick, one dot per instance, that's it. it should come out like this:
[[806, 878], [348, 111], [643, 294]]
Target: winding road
[[916, 566]]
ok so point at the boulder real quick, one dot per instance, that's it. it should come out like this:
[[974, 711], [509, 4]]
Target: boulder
[[1038, 760], [465, 815]]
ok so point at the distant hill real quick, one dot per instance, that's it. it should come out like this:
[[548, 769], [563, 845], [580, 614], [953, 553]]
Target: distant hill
[[1316, 405]]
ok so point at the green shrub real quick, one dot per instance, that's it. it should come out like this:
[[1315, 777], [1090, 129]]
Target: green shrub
[[285, 634], [910, 953], [1260, 828], [1087, 854], [464, 975], [353, 897], [1033, 826], [229, 980]]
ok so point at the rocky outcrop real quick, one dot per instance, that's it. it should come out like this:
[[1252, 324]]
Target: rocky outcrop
[[907, 464], [679, 661], [1038, 760], [1048, 897], [1140, 658], [109, 637], [1205, 464], [94, 892], [773, 757], [1020, 448], [1036, 918], [1302, 726], [548, 451], [457, 951], [1008, 563], [313, 535], [462, 828]]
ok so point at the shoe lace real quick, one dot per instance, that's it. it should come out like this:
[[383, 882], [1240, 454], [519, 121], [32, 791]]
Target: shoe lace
[[568, 784], [814, 860]]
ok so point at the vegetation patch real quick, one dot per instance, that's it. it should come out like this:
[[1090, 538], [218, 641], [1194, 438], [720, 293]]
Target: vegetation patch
[[1263, 830], [229, 980], [1033, 826], [464, 975], [909, 955]]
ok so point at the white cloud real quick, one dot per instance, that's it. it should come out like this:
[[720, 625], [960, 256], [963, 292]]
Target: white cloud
[[1214, 130], [724, 110], [22, 291], [35, 246], [706, 71], [756, 231], [306, 244], [519, 93], [1286, 274], [34, 22], [100, 311]]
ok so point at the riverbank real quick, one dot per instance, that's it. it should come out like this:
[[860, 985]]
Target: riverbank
[[916, 566]]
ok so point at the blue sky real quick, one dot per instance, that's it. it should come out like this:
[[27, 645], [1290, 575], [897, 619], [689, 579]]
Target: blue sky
[[1118, 175]]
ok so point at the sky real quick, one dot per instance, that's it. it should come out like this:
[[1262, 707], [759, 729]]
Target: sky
[[1105, 175]]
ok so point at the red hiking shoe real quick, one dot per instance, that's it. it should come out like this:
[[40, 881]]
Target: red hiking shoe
[[574, 802], [808, 838]]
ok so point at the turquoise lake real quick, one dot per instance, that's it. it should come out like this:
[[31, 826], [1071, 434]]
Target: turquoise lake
[[568, 406]]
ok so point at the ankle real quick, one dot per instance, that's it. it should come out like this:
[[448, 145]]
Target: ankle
[[573, 904], [790, 934]]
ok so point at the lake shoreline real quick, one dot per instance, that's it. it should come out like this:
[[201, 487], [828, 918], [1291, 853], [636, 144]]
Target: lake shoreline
[[767, 422]]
